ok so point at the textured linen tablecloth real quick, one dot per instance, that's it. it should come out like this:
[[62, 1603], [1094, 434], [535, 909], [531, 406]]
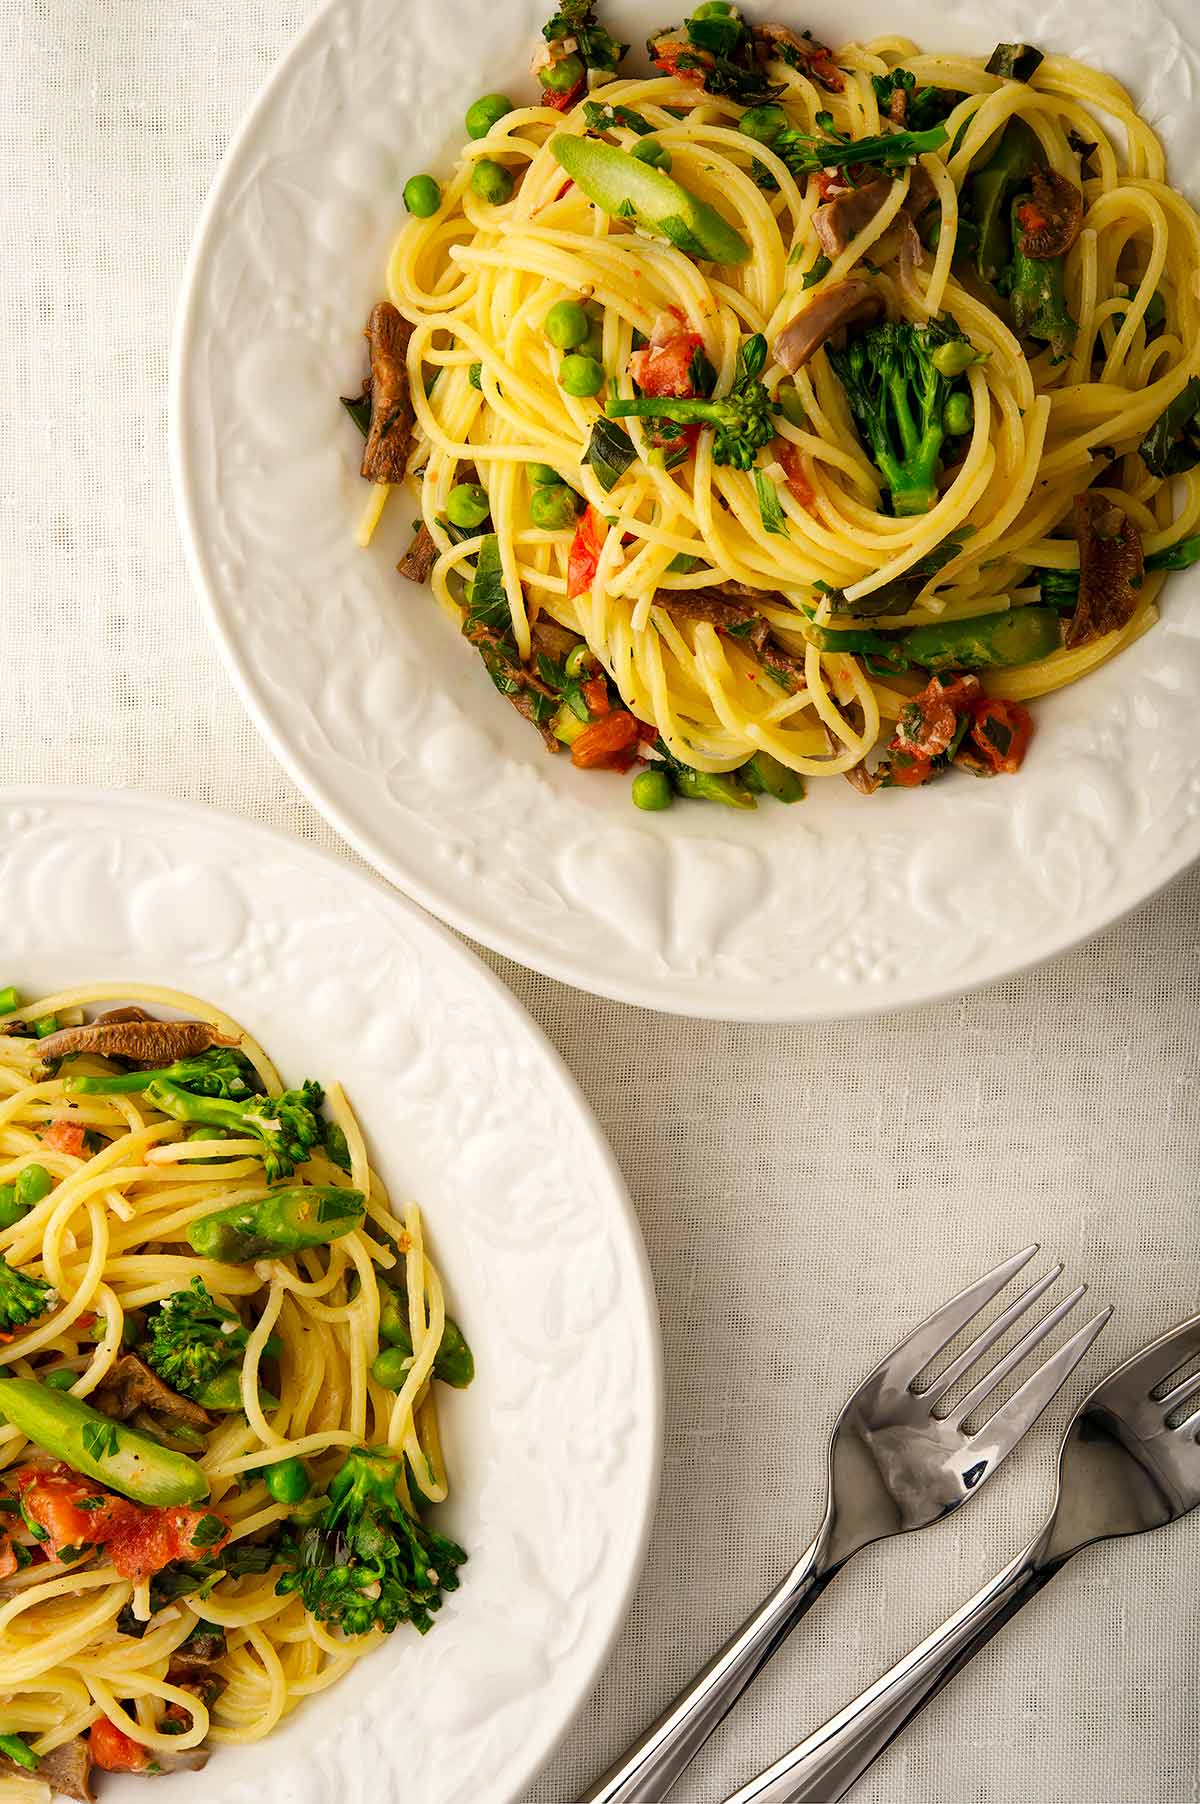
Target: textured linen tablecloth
[[805, 1192]]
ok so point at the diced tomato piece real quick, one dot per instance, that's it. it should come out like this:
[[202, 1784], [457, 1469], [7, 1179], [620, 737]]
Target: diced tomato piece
[[66, 1137], [140, 1540], [584, 555], [1033, 217], [1001, 731], [677, 442], [669, 322], [908, 770], [828, 182], [665, 55], [52, 1498], [595, 694], [610, 743], [115, 1752], [150, 1539], [822, 68], [666, 369], [562, 103], [8, 1557], [798, 484], [647, 732], [930, 720]]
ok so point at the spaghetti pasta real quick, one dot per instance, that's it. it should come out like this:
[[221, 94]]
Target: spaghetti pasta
[[159, 1292], [806, 541]]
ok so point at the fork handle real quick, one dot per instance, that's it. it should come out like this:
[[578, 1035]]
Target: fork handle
[[829, 1763], [648, 1769]]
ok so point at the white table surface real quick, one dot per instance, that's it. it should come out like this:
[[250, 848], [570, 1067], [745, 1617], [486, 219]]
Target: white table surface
[[805, 1192]]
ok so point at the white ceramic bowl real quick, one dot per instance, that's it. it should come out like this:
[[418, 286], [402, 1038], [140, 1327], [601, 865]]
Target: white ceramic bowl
[[385, 717], [554, 1451]]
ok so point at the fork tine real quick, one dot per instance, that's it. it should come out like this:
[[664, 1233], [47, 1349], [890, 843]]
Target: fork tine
[[991, 1334], [916, 1350], [1005, 1428], [1165, 1356], [1014, 1357], [1178, 1392]]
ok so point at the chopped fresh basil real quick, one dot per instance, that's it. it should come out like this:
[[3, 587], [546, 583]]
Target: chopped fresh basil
[[609, 452], [359, 409], [770, 511]]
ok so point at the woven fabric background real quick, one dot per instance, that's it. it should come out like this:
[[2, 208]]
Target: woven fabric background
[[805, 1192]]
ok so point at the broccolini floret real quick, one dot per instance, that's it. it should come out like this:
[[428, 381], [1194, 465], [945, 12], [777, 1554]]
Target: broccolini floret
[[898, 380], [288, 1126], [743, 420], [369, 1562], [191, 1338], [22, 1298], [218, 1072]]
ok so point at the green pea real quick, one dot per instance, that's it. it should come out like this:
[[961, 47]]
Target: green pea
[[33, 1183], [492, 182], [565, 74], [763, 123], [553, 508], [566, 325], [791, 405], [61, 1379], [581, 661], [485, 112], [467, 506], [422, 196], [958, 415], [475, 375], [581, 376], [649, 150], [287, 1481], [11, 1211], [390, 1368], [652, 791], [542, 476]]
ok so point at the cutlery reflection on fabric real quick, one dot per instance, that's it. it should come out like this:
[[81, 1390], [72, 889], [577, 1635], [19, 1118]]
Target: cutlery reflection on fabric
[[894, 1466], [1130, 1462]]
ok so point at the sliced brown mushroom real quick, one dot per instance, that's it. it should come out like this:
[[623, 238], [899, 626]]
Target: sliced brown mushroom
[[799, 52], [203, 1648], [66, 1769], [1051, 221], [389, 438], [839, 221], [420, 557], [731, 608], [1111, 568], [130, 1385], [830, 311], [144, 1040], [550, 640], [862, 779]]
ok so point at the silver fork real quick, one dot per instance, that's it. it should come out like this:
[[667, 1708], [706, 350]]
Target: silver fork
[[893, 1466], [1121, 1471]]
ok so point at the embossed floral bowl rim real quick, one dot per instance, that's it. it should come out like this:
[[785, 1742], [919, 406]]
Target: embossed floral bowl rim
[[554, 1451], [836, 907]]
